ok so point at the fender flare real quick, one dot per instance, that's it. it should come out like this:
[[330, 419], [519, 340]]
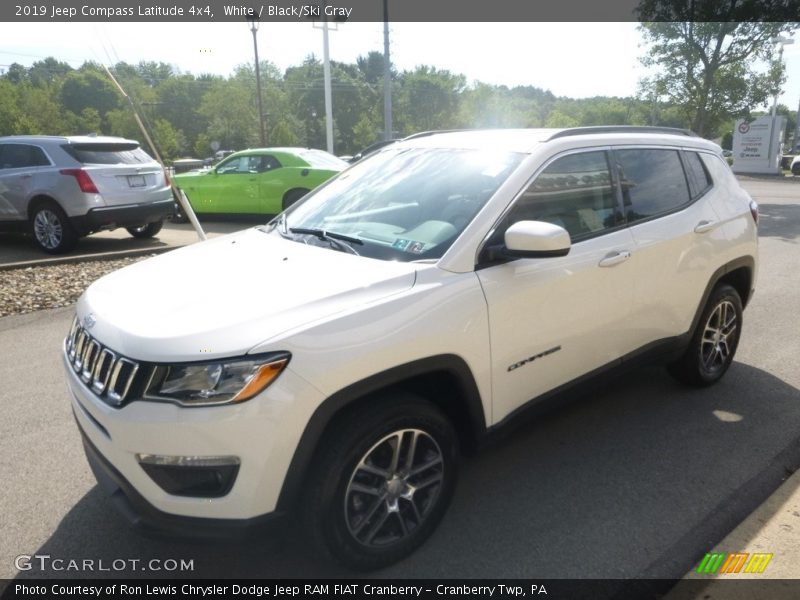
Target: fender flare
[[332, 406]]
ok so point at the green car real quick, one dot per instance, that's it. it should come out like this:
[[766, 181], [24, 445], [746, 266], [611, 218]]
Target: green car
[[257, 181]]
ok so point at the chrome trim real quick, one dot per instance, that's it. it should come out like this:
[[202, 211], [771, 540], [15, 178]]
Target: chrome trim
[[107, 374], [114, 395], [98, 385]]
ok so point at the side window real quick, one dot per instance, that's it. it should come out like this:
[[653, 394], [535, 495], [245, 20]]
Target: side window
[[699, 179], [17, 156], [269, 163], [653, 182], [574, 192]]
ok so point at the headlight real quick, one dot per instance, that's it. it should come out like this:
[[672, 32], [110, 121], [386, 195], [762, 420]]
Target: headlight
[[211, 383]]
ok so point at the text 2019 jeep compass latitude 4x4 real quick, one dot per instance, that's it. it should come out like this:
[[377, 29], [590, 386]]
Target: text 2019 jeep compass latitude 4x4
[[334, 361]]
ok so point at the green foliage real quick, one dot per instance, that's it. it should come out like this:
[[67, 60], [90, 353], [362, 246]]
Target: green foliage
[[706, 62], [185, 113], [88, 88]]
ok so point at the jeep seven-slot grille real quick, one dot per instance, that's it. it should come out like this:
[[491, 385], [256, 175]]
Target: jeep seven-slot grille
[[110, 376]]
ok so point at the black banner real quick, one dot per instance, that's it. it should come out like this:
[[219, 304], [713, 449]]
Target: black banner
[[399, 589], [399, 10]]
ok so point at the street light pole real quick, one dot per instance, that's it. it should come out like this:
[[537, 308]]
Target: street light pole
[[326, 70], [261, 129], [779, 41], [387, 82]]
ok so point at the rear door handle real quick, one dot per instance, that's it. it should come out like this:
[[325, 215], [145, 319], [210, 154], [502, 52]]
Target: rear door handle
[[705, 226], [25, 176], [615, 258]]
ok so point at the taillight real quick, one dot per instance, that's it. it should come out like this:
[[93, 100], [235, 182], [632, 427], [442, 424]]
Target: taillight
[[84, 181], [754, 210], [166, 177]]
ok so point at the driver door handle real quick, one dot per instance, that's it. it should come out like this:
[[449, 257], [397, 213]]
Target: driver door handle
[[705, 226], [615, 258]]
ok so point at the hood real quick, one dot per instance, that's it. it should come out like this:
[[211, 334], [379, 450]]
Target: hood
[[222, 297]]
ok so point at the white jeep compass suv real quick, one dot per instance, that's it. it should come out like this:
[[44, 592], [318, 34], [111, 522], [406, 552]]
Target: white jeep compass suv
[[333, 363]]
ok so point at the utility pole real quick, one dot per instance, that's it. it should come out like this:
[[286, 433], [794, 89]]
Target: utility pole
[[326, 70], [261, 129], [387, 77], [796, 142]]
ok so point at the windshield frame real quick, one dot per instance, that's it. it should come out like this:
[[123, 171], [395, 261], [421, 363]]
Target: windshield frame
[[365, 195]]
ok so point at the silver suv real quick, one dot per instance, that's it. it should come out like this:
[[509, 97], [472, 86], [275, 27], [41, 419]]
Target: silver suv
[[63, 188]]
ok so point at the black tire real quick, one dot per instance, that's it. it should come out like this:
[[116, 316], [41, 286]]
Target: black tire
[[293, 196], [51, 229], [146, 231], [367, 531], [178, 215], [714, 341]]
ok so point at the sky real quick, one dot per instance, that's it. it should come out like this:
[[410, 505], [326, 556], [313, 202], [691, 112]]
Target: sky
[[578, 60]]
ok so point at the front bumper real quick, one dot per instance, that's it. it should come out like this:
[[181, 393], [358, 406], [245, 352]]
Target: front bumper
[[262, 432], [130, 215], [147, 519]]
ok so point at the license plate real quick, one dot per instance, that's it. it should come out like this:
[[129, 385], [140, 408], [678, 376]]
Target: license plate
[[136, 181]]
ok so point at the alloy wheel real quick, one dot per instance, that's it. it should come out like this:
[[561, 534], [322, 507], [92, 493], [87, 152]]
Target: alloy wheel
[[48, 229], [393, 488], [718, 337]]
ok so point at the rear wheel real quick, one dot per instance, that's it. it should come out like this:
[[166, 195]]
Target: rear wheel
[[146, 231], [714, 342], [51, 228], [178, 214], [383, 483], [293, 196]]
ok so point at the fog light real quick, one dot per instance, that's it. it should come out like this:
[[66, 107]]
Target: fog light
[[192, 476]]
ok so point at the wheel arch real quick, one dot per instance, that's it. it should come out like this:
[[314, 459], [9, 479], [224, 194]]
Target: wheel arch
[[739, 274], [291, 191], [456, 394], [39, 199]]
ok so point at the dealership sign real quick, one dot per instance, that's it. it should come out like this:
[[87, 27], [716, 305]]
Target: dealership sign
[[757, 144]]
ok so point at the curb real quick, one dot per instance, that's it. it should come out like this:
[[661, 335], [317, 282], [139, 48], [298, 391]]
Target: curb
[[62, 260]]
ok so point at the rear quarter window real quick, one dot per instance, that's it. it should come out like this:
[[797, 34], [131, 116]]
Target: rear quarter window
[[699, 179]]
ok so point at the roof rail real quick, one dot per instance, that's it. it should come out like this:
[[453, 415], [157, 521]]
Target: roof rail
[[414, 136], [621, 129]]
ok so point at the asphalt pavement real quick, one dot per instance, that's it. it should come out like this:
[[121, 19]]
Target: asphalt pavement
[[18, 250], [638, 479]]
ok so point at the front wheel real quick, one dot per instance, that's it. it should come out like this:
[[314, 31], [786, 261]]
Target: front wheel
[[383, 483], [146, 231], [714, 342]]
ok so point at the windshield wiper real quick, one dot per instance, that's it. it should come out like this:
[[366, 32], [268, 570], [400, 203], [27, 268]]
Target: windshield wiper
[[331, 237]]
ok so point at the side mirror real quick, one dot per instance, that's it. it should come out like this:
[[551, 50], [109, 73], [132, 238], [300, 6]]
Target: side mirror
[[536, 239]]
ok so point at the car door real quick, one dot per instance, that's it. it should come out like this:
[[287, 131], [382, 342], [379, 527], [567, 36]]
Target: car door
[[233, 186], [19, 164], [675, 235], [553, 320], [272, 185]]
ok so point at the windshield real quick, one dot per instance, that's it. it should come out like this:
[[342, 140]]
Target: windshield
[[402, 204], [322, 160]]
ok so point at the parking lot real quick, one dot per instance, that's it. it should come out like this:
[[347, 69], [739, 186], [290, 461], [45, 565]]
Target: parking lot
[[637, 480], [18, 249]]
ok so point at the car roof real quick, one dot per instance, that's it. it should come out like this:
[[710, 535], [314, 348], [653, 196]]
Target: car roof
[[281, 149], [69, 139], [528, 140]]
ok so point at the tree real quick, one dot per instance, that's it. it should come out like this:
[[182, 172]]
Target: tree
[[428, 99], [48, 71], [89, 88], [705, 57]]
